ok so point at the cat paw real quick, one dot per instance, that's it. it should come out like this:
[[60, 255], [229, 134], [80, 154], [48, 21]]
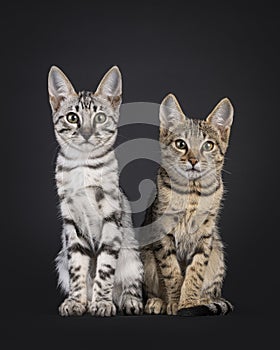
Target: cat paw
[[172, 308], [155, 306], [132, 306], [72, 307], [102, 308]]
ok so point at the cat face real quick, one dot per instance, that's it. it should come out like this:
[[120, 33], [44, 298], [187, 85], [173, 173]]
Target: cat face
[[85, 121], [191, 148]]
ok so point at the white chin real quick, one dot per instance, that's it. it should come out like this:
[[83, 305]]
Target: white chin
[[87, 147], [190, 174]]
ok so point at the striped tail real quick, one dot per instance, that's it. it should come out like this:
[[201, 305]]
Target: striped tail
[[217, 307]]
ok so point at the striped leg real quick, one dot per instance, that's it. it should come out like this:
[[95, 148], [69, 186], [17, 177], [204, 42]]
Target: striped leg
[[170, 271], [201, 291], [213, 281], [195, 273], [107, 255], [214, 273], [78, 264], [153, 287]]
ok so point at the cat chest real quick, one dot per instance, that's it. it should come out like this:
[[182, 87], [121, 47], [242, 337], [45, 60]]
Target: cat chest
[[78, 178], [196, 211], [88, 194], [182, 233], [93, 199], [186, 233]]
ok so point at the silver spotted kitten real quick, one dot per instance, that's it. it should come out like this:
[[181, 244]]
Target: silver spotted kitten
[[99, 266]]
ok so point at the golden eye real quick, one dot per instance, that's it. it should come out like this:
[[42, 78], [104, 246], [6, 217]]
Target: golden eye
[[181, 144], [208, 146], [72, 118], [100, 118]]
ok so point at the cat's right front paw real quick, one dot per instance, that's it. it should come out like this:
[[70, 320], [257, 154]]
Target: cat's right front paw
[[72, 307], [132, 306], [172, 308], [102, 308], [155, 306]]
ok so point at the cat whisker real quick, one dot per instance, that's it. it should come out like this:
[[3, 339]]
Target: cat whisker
[[226, 171]]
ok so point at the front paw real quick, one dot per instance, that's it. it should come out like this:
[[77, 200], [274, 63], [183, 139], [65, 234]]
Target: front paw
[[72, 307], [132, 306], [102, 308], [172, 308], [155, 306]]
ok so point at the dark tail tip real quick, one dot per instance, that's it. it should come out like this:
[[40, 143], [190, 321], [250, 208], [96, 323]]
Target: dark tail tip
[[201, 310], [221, 307]]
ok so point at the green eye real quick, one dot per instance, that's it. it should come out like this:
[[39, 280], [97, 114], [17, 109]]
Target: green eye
[[72, 118], [208, 146], [100, 118], [181, 144]]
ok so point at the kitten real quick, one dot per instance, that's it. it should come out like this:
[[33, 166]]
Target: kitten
[[99, 265], [184, 269]]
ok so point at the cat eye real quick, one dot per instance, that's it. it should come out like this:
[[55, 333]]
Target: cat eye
[[72, 118], [181, 144], [100, 118], [208, 146]]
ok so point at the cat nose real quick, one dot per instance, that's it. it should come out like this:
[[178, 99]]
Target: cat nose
[[86, 134], [193, 161]]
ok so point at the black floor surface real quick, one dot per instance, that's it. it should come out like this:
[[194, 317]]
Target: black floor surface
[[237, 330]]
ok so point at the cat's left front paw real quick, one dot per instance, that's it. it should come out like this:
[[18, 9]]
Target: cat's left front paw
[[102, 308], [132, 306]]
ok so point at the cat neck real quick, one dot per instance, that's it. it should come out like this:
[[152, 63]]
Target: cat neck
[[205, 180], [171, 187], [86, 170], [82, 157], [97, 165]]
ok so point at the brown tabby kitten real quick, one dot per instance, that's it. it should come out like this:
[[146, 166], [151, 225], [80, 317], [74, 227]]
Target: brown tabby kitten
[[184, 267]]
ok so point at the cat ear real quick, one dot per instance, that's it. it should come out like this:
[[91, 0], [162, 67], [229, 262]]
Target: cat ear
[[110, 86], [170, 112], [59, 87], [222, 117]]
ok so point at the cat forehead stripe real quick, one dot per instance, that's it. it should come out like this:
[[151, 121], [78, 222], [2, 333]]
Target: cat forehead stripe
[[86, 101]]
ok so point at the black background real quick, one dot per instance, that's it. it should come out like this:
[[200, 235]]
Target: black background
[[201, 52]]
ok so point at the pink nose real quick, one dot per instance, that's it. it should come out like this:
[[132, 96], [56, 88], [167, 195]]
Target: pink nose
[[193, 161]]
